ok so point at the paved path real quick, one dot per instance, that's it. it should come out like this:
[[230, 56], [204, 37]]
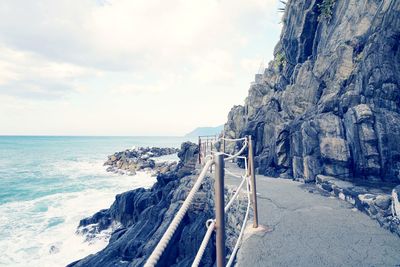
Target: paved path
[[308, 229]]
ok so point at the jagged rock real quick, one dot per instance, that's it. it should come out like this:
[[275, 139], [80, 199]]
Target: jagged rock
[[136, 159], [383, 201], [144, 214], [139, 218], [233, 126], [328, 103]]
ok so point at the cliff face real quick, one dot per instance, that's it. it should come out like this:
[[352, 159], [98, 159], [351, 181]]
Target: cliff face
[[143, 216], [329, 102]]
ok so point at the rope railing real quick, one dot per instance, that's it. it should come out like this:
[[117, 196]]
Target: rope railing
[[235, 249], [232, 140], [155, 256], [234, 174], [235, 194], [206, 143], [238, 153], [226, 209], [217, 224], [204, 243]]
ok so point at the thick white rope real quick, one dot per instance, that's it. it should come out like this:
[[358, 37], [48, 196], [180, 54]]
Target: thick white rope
[[238, 175], [232, 140], [233, 174], [211, 227], [233, 255], [235, 195], [238, 153], [233, 198], [157, 252], [162, 244], [204, 243], [243, 177]]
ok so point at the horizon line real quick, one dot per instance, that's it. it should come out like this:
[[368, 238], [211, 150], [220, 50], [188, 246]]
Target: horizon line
[[66, 135]]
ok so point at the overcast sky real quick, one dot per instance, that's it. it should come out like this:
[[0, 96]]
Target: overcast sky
[[128, 67]]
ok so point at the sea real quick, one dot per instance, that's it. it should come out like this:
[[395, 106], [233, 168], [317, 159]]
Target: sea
[[49, 183]]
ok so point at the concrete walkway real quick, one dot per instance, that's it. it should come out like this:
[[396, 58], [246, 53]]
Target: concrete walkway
[[300, 227]]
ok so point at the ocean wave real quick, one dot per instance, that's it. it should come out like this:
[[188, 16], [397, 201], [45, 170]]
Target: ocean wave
[[74, 168], [41, 232]]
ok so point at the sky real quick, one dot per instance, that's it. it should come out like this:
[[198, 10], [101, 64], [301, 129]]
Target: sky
[[129, 67]]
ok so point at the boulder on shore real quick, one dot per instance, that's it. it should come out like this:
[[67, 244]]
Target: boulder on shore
[[138, 159]]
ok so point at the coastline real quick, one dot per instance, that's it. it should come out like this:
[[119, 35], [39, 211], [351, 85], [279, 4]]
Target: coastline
[[59, 181], [143, 215]]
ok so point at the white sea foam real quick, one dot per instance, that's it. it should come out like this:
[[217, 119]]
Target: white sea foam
[[75, 168], [41, 232]]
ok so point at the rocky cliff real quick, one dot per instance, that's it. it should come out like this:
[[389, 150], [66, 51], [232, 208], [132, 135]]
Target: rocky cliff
[[139, 218], [144, 215], [329, 102]]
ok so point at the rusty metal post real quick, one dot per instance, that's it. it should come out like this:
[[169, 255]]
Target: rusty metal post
[[199, 150], [219, 208], [205, 145], [224, 144], [253, 180], [211, 167]]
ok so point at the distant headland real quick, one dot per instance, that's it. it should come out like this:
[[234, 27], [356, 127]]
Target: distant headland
[[206, 131]]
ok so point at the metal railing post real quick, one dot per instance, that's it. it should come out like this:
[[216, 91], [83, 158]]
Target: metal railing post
[[199, 150], [219, 208], [224, 144], [211, 167], [206, 144], [253, 180]]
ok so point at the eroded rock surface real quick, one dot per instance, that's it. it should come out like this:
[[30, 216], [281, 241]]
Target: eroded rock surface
[[141, 158], [144, 215], [329, 102], [139, 218]]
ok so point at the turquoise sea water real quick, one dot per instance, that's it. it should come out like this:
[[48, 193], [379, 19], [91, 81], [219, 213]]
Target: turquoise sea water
[[47, 184]]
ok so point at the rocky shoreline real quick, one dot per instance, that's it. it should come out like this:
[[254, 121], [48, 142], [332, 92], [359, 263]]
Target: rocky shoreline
[[141, 159], [325, 111], [139, 218]]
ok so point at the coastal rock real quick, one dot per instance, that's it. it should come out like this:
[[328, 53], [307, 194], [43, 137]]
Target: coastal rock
[[138, 159], [143, 215], [328, 103], [383, 201]]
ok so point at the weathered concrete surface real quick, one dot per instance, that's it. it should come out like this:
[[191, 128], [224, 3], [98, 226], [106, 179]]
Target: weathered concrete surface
[[308, 229]]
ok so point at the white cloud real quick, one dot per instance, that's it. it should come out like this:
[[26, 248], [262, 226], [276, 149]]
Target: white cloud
[[215, 68], [27, 74], [126, 33], [138, 89], [135, 52]]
